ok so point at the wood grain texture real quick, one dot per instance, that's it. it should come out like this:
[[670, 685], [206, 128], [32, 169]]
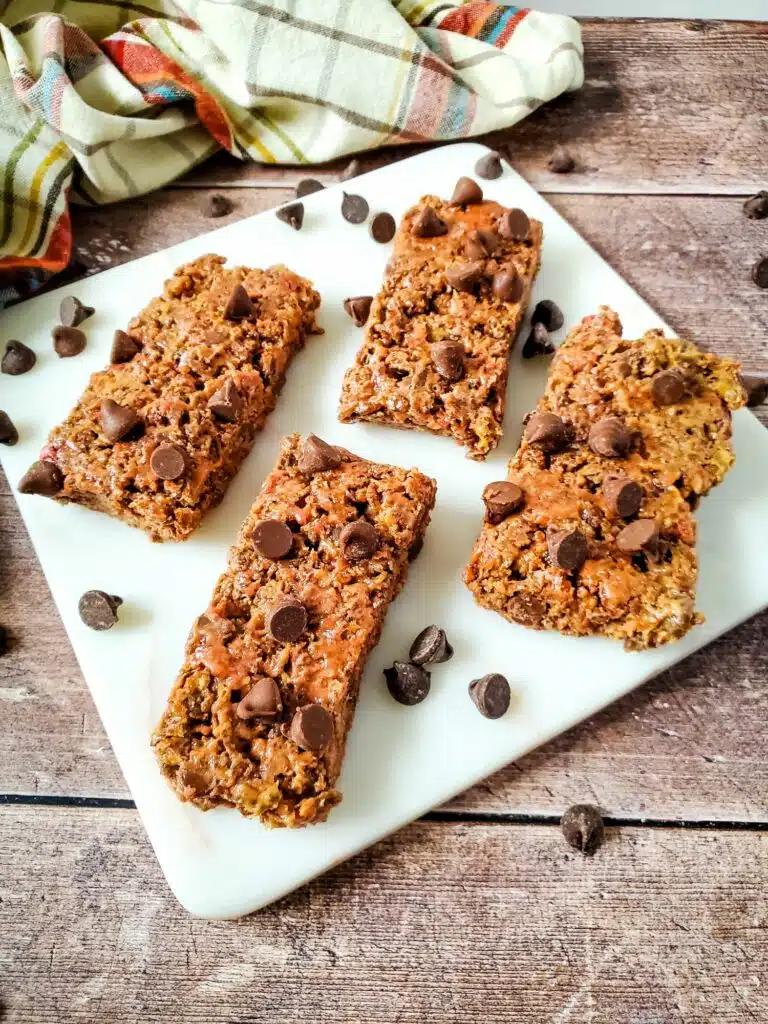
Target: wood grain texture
[[666, 106], [458, 923]]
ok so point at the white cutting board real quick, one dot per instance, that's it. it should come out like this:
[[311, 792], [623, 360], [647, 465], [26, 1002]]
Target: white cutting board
[[400, 761]]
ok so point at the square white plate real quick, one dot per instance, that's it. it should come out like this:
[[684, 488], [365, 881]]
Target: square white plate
[[400, 761]]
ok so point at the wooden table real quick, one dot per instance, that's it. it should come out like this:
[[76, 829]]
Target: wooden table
[[479, 912]]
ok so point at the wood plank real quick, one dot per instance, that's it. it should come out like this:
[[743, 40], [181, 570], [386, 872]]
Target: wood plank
[[666, 107], [462, 923]]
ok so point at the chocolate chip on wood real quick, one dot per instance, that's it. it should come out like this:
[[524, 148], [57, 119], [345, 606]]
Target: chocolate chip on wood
[[8, 433], [357, 308], [307, 186], [72, 312], [501, 498], [756, 388], [756, 207], [489, 167], [18, 358], [124, 348], [383, 227], [262, 701], [354, 208], [68, 341], [292, 215], [582, 826], [760, 272], [218, 205], [287, 621], [431, 647], [43, 477], [466, 193], [408, 683], [312, 728], [3, 640], [272, 539], [491, 695], [98, 610], [561, 161]]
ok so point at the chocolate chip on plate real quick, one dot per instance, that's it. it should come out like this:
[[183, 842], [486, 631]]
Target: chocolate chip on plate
[[359, 541], [464, 276], [642, 535], [68, 341], [312, 728], [667, 387], [272, 539], [358, 308], [292, 215], [622, 495], [117, 421], [501, 499], [168, 462], [72, 312], [43, 478], [218, 205], [8, 433], [226, 403], [448, 360], [489, 167], [466, 192], [538, 342], [239, 305], [609, 437], [99, 610], [383, 228], [756, 207], [567, 549], [514, 225], [582, 826], [427, 224], [760, 272], [353, 168], [491, 695], [408, 683], [756, 389], [317, 455], [287, 621], [561, 161], [507, 284], [481, 244], [307, 186], [261, 701], [547, 432], [354, 209], [548, 313], [18, 358], [124, 348], [430, 647]]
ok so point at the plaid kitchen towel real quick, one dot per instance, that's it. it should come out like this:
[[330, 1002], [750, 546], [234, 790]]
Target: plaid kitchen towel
[[103, 100]]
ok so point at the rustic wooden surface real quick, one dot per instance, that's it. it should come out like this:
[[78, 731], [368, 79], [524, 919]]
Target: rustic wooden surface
[[480, 912]]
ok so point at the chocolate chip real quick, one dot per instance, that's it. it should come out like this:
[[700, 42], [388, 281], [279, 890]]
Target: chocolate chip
[[239, 305], [317, 455], [42, 478], [760, 273], [538, 343], [501, 498], [582, 826], [358, 308], [481, 244], [409, 684], [68, 341], [168, 462], [667, 387], [307, 186], [359, 541], [448, 360], [561, 161], [353, 168], [548, 313], [567, 549], [72, 312], [261, 701], [272, 539], [622, 495], [466, 192], [116, 420], [527, 609], [17, 358], [756, 207], [491, 695], [312, 728], [8, 433], [756, 389], [354, 209], [642, 535], [609, 437], [383, 228], [99, 610], [464, 276], [218, 205], [4, 638], [287, 621], [124, 348], [489, 167], [547, 432], [427, 224], [514, 225], [430, 647], [507, 284], [226, 403], [292, 215]]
